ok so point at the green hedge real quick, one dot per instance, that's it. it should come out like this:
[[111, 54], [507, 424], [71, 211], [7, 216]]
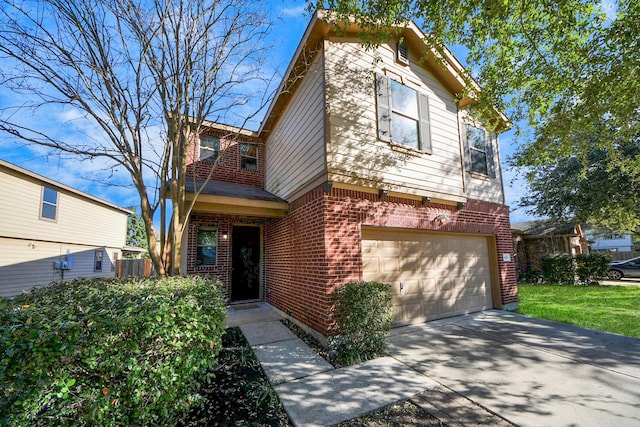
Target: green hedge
[[592, 267], [364, 314], [108, 352], [565, 270], [558, 269]]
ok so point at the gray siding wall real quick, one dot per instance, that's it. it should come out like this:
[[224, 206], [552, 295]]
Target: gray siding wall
[[28, 263]]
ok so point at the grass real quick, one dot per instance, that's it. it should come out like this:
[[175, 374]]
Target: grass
[[605, 308]]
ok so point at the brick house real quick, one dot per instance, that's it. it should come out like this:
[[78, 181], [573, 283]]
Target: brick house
[[364, 168], [534, 240]]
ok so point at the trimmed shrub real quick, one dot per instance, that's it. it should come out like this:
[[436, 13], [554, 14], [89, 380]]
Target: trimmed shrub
[[364, 314], [558, 269], [108, 352], [592, 267]]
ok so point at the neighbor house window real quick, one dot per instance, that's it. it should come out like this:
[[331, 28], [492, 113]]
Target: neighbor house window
[[207, 246], [480, 152], [209, 148], [403, 114], [249, 156], [613, 236], [97, 260], [49, 207]]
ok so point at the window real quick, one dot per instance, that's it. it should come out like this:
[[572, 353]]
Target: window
[[403, 114], [207, 246], [49, 207], [97, 260], [249, 156], [480, 151], [613, 236], [209, 148]]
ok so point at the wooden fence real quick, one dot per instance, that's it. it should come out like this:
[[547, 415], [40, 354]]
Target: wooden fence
[[135, 268], [621, 256]]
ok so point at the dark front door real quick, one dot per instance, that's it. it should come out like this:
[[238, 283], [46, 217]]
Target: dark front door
[[245, 262]]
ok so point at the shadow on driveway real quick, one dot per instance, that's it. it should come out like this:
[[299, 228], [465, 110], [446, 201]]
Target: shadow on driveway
[[532, 372]]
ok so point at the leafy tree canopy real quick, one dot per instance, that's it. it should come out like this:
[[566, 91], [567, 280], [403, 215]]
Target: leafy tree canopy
[[136, 230], [600, 187]]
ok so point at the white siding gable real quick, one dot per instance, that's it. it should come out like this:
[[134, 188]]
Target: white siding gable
[[296, 160], [356, 154]]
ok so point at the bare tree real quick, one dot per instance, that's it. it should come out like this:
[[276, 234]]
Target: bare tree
[[147, 74]]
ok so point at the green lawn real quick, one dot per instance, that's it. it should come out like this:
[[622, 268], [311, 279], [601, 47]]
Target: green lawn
[[605, 308]]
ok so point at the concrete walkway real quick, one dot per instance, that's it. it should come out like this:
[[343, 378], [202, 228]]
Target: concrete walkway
[[312, 392], [489, 368]]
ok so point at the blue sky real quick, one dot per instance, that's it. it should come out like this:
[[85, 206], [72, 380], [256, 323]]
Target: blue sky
[[291, 20]]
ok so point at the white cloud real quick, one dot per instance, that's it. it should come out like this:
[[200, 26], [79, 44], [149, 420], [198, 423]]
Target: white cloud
[[294, 11], [610, 8]]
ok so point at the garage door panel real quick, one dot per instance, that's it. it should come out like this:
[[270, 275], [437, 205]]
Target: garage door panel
[[370, 264], [442, 274], [411, 311], [410, 288], [389, 264]]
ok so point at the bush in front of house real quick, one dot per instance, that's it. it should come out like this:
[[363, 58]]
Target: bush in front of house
[[108, 352], [564, 269], [558, 269], [364, 314], [592, 267]]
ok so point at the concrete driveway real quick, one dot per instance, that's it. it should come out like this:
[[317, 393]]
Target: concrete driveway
[[531, 372]]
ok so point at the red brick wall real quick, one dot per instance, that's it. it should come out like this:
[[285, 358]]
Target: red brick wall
[[317, 246], [224, 224], [227, 168], [296, 264]]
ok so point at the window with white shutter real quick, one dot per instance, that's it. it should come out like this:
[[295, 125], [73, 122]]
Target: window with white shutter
[[403, 114]]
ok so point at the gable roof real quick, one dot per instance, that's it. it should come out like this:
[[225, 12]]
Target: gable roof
[[447, 69], [547, 228], [24, 173]]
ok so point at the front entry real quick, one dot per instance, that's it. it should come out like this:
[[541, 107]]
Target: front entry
[[245, 263]]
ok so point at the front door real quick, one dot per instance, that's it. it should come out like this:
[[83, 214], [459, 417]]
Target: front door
[[245, 263]]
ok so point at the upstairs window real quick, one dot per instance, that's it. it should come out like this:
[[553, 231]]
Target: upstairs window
[[209, 148], [249, 156], [403, 114], [480, 151], [207, 246], [49, 207]]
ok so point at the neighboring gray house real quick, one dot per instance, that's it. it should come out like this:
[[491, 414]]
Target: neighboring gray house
[[51, 232], [611, 242]]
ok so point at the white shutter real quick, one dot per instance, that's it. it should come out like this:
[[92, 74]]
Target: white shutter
[[425, 125], [383, 107]]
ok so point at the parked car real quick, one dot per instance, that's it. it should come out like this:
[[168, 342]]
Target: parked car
[[628, 268]]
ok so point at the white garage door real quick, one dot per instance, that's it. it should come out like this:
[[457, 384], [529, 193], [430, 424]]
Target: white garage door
[[432, 275]]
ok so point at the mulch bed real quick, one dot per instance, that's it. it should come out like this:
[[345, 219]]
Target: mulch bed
[[397, 415], [237, 392]]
